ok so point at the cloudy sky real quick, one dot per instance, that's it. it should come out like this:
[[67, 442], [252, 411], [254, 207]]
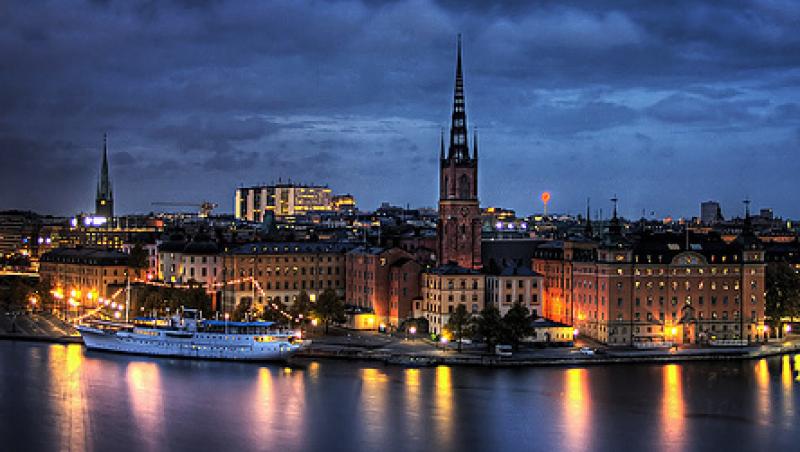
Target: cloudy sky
[[664, 105]]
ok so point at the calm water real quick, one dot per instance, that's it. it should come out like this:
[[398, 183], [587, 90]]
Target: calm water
[[56, 397]]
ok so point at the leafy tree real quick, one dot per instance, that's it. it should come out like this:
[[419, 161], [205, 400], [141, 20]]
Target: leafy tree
[[301, 308], [330, 308], [459, 324], [783, 292], [242, 308], [489, 326], [517, 324], [138, 258]]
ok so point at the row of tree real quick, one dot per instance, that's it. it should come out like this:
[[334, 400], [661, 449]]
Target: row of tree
[[782, 293], [329, 309], [490, 326]]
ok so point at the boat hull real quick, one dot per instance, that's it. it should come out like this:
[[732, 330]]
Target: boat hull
[[197, 346]]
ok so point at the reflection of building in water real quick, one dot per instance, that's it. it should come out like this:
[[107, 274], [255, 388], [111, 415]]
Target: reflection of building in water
[[764, 414], [443, 405], [71, 411], [577, 409], [146, 396], [673, 421]]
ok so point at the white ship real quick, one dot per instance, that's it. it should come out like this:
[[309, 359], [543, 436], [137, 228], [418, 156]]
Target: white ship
[[192, 337]]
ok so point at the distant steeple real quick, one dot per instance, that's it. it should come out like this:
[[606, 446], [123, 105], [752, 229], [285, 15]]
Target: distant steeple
[[458, 128], [441, 143], [614, 226], [587, 230], [104, 202], [475, 144]]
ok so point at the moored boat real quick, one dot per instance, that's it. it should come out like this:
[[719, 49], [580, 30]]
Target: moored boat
[[192, 337]]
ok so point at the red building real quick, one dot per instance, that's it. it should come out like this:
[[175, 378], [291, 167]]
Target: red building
[[459, 227], [384, 280]]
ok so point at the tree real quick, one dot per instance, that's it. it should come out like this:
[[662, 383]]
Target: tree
[[241, 309], [330, 308], [459, 324], [138, 258], [301, 308], [782, 292], [489, 326], [517, 324]]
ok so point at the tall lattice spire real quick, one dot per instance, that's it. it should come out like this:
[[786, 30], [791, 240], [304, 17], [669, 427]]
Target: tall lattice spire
[[458, 129], [104, 202], [104, 183]]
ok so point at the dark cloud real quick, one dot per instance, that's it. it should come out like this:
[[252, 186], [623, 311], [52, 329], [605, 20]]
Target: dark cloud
[[580, 98]]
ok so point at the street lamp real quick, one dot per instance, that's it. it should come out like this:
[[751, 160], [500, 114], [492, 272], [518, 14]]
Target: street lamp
[[227, 316]]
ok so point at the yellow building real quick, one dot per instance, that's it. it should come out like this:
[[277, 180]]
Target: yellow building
[[443, 289], [81, 276]]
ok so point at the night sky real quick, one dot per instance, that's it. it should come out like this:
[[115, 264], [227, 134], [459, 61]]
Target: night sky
[[665, 105]]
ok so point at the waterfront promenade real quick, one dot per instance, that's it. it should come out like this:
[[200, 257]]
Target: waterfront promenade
[[371, 346]]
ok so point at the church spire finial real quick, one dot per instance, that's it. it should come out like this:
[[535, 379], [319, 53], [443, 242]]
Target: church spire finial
[[475, 144], [441, 143], [459, 150], [587, 231]]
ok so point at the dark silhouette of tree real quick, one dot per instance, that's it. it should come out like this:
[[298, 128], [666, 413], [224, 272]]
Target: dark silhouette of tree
[[489, 326], [301, 309], [330, 308], [517, 324], [782, 292], [459, 324]]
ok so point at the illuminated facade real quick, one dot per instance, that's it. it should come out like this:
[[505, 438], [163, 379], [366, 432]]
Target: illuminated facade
[[82, 274], [656, 288], [443, 289], [515, 285], [281, 271], [283, 200], [383, 280]]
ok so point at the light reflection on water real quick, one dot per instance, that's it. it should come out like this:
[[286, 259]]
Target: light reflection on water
[[672, 406], [577, 409], [147, 401], [117, 402]]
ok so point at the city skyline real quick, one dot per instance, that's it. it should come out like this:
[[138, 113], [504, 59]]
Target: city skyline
[[716, 119]]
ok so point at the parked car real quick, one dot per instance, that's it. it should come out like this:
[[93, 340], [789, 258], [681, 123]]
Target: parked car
[[502, 350], [586, 351]]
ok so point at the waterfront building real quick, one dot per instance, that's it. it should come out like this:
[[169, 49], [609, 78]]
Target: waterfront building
[[104, 201], [683, 288], [197, 261], [514, 284], [281, 270], [384, 280], [445, 287], [81, 276], [459, 226], [282, 200]]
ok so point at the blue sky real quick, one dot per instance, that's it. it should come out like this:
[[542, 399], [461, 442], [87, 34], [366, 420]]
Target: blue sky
[[665, 104]]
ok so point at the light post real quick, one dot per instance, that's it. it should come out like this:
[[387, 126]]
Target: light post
[[227, 316], [412, 331]]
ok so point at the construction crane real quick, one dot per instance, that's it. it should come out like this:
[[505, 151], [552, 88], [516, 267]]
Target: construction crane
[[204, 208]]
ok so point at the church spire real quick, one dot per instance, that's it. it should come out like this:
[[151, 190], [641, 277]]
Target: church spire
[[104, 203], [475, 144], [458, 128], [441, 143], [587, 231]]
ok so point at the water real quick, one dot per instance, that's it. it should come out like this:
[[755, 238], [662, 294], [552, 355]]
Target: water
[[59, 398]]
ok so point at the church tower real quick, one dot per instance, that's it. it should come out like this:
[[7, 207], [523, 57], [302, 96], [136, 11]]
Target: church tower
[[104, 202], [459, 228]]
